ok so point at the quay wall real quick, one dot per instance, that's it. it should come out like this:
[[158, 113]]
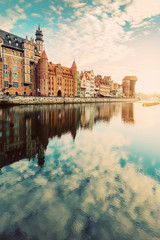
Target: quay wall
[[28, 100]]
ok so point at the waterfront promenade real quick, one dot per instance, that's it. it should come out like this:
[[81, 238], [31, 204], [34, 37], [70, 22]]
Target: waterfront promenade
[[23, 100]]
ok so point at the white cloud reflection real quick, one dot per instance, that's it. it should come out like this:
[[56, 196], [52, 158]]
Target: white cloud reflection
[[84, 190]]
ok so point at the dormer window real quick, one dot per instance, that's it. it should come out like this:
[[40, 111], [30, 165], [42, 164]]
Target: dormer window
[[17, 44], [9, 41]]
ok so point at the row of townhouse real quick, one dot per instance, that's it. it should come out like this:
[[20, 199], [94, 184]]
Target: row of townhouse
[[96, 86]]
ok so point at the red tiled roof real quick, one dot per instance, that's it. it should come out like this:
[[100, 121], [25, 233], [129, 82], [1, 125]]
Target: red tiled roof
[[52, 67], [44, 55]]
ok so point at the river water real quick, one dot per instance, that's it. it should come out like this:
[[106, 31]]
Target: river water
[[80, 172]]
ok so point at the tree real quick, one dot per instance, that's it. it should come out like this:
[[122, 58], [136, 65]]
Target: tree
[[99, 76]]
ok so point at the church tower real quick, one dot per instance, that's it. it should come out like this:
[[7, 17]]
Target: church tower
[[74, 73], [39, 39]]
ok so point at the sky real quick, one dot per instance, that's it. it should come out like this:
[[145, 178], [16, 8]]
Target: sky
[[115, 38]]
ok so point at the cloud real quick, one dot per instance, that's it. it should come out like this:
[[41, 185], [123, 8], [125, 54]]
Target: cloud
[[36, 15], [12, 17], [57, 10], [75, 3], [140, 10]]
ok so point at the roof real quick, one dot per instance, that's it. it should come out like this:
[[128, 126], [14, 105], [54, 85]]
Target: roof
[[44, 55], [52, 67], [107, 78], [131, 78], [11, 40], [73, 64]]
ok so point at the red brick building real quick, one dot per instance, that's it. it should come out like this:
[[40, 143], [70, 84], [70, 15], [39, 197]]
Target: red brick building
[[24, 68], [62, 80]]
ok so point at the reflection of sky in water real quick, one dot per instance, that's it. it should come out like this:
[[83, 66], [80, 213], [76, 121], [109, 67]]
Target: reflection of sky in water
[[102, 185]]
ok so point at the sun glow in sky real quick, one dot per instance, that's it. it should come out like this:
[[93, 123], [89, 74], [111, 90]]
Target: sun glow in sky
[[112, 37]]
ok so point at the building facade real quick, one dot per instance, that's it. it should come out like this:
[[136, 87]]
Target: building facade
[[87, 84], [78, 84], [62, 80], [19, 59], [25, 70], [128, 85]]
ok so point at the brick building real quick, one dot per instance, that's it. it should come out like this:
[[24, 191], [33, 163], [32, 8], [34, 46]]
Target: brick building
[[62, 80], [128, 84], [24, 68]]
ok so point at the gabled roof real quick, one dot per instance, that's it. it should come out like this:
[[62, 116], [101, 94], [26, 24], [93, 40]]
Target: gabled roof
[[44, 55], [108, 78], [52, 67]]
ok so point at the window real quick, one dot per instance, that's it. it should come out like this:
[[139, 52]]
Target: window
[[4, 50], [9, 41], [5, 74], [15, 84], [15, 75], [30, 79], [12, 60], [21, 70], [22, 83], [21, 62], [15, 68], [13, 52], [16, 61], [34, 86], [16, 52], [5, 83], [5, 59], [5, 66], [30, 86], [21, 54], [22, 78]]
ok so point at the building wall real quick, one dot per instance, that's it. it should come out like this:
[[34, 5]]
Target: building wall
[[104, 90], [78, 85], [62, 80], [19, 61]]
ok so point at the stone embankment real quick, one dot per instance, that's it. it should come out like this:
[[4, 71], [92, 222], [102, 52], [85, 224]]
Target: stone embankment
[[24, 100]]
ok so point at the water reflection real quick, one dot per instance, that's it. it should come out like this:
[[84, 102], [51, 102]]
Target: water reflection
[[26, 130], [94, 181]]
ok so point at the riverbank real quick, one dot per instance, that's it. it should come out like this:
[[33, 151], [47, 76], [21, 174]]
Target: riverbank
[[29, 100]]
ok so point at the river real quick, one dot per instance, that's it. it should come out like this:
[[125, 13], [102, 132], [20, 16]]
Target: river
[[87, 171]]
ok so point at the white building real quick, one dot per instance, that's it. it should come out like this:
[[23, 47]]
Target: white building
[[87, 84]]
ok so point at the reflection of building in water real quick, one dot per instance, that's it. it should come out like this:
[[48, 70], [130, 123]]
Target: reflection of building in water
[[25, 134], [107, 111], [25, 130], [128, 113], [87, 116]]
